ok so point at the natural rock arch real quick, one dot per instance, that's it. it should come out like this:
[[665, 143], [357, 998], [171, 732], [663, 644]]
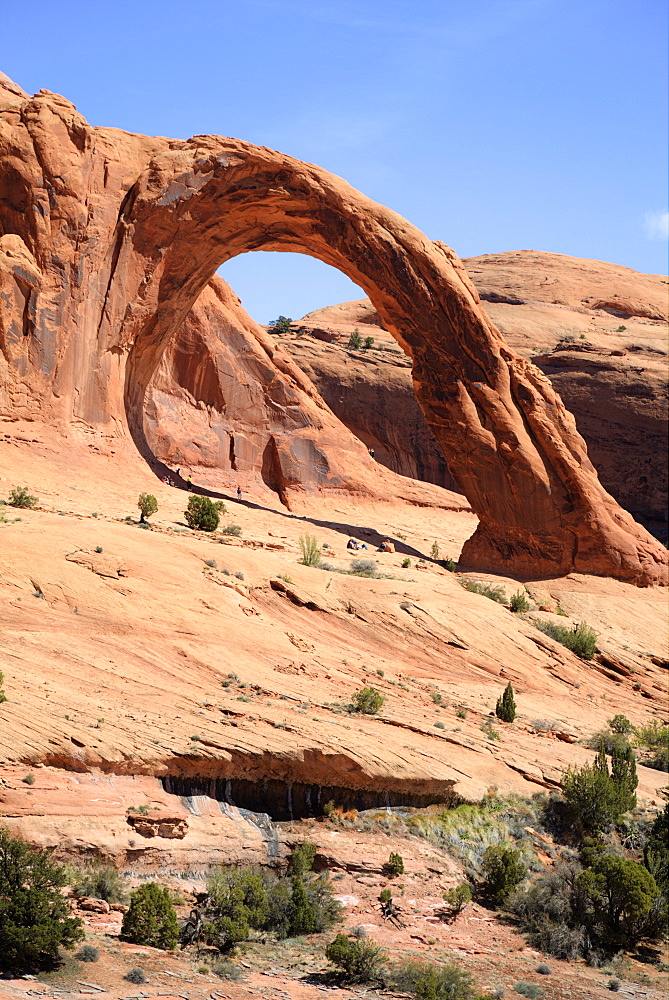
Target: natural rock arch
[[157, 217]]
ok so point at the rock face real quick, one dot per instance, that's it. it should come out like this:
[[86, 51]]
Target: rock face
[[109, 239], [612, 376]]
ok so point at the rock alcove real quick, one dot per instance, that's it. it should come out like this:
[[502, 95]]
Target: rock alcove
[[108, 239]]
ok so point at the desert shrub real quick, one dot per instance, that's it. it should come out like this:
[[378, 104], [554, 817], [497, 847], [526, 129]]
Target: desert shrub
[[528, 990], [449, 564], [519, 603], [136, 976], [505, 709], [225, 969], [238, 900], [201, 514], [232, 529], [457, 898], [611, 742], [3, 696], [581, 639], [497, 594], [652, 739], [302, 858], [434, 550], [548, 912], [543, 970], [489, 730], [368, 701], [620, 724], [364, 567], [148, 505], [434, 982], [100, 882], [503, 869], [310, 549], [355, 340], [613, 985], [461, 712], [406, 563], [595, 798], [359, 960], [28, 779], [545, 725], [656, 850], [239, 575], [394, 865], [35, 919], [211, 563], [617, 896], [280, 325], [88, 953], [20, 497], [151, 919]]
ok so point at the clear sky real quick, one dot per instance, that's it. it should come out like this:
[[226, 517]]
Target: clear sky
[[490, 124]]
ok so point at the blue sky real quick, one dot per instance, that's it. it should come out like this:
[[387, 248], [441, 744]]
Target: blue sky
[[492, 125]]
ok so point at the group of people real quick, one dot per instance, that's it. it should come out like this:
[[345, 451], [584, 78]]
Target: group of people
[[354, 544], [385, 546]]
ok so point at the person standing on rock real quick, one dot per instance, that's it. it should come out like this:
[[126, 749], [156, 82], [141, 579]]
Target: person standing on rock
[[239, 493], [189, 482]]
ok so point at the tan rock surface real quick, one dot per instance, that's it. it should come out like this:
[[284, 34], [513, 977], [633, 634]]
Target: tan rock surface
[[114, 236]]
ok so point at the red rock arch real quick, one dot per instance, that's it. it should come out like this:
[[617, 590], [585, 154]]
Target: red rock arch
[[511, 445]]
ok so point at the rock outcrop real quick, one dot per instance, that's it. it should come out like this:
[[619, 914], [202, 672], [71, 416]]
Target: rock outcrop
[[109, 239]]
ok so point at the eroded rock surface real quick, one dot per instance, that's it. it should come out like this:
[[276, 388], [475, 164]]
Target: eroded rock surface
[[109, 238]]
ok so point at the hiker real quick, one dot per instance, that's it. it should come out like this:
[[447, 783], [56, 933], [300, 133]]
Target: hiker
[[189, 482], [239, 493], [371, 453]]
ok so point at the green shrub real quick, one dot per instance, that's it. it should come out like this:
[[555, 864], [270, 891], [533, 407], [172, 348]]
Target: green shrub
[[543, 970], [581, 639], [28, 779], [434, 982], [280, 325], [620, 724], [151, 919], [148, 505], [364, 567], [355, 340], [505, 709], [621, 894], [461, 712], [19, 497], [310, 549], [226, 969], [503, 870], [367, 343], [652, 739], [406, 563], [596, 798], [449, 564], [434, 550], [100, 882], [232, 529], [528, 990], [136, 976], [519, 603], [201, 514], [368, 701], [457, 898], [359, 960], [35, 919], [87, 954], [394, 865], [497, 594], [3, 696], [490, 731], [302, 858], [656, 850], [385, 895]]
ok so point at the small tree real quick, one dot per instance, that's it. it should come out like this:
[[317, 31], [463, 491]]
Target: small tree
[[355, 340], [368, 701], [302, 918], [151, 919], [434, 550], [358, 959], [201, 514], [457, 898], [280, 325], [148, 505], [621, 893], [302, 858], [597, 798], [35, 919], [19, 497], [503, 870], [505, 709], [238, 899], [310, 549], [620, 724], [394, 865], [368, 343], [519, 603]]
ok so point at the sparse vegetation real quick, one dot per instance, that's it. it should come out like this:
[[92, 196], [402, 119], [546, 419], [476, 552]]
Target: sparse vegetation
[[364, 567], [489, 730], [581, 639], [652, 740], [280, 325], [136, 976], [201, 514], [3, 696], [310, 549], [449, 564], [368, 701], [225, 969], [148, 505], [529, 990], [232, 529], [457, 898], [505, 709], [28, 779], [35, 918], [461, 712], [359, 959], [394, 866], [497, 594], [519, 603], [100, 882], [151, 919], [434, 550], [20, 497], [427, 981], [87, 953], [355, 340]]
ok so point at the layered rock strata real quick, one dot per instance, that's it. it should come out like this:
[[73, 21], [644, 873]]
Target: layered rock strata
[[108, 239]]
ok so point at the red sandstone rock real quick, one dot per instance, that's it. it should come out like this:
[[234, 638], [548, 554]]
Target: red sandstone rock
[[114, 236]]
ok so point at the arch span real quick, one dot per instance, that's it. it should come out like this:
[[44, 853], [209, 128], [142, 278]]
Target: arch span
[[511, 445], [107, 239]]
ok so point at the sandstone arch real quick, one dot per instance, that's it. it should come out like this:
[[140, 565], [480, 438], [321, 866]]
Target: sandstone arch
[[157, 217]]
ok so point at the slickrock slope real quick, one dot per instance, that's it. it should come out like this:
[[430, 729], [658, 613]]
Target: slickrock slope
[[597, 330], [109, 238]]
